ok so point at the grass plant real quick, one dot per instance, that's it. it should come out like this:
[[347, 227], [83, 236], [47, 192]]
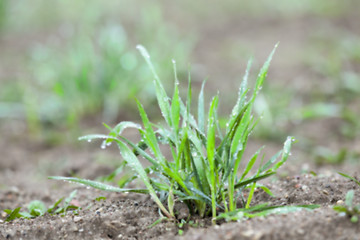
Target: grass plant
[[349, 208], [205, 170], [37, 208]]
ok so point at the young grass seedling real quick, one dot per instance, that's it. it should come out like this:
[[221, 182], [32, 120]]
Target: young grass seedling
[[37, 208], [350, 209], [204, 171]]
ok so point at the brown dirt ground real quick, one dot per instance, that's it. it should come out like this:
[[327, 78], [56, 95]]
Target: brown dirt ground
[[25, 163]]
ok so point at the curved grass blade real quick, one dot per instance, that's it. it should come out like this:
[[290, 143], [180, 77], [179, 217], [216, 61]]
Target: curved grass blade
[[241, 97], [250, 164], [201, 109], [150, 136], [349, 177], [137, 167], [98, 185], [285, 154], [253, 179], [262, 210], [262, 75], [118, 129], [162, 98], [91, 137]]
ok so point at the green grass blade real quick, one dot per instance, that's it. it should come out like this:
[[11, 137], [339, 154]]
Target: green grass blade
[[241, 97], [251, 194], [253, 179], [12, 214], [280, 210], [175, 105], [98, 185], [91, 137], [201, 109], [262, 75], [349, 177], [149, 134], [240, 131], [55, 205], [265, 189], [189, 96], [210, 147], [163, 99], [349, 198], [285, 154], [140, 151], [340, 209], [271, 161], [250, 164], [137, 167], [118, 129]]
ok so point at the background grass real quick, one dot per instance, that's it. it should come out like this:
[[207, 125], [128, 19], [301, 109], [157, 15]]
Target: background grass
[[65, 64]]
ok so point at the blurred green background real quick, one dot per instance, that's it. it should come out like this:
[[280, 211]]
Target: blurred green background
[[66, 66]]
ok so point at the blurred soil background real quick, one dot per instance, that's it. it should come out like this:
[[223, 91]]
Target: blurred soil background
[[66, 67]]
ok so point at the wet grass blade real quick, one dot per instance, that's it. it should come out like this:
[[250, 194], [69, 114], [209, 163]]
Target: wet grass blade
[[285, 154], [241, 97], [98, 185], [175, 105], [137, 167], [163, 99], [149, 135], [201, 109], [210, 147]]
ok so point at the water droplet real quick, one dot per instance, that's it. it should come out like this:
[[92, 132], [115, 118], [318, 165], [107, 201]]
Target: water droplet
[[103, 145], [173, 61], [89, 140]]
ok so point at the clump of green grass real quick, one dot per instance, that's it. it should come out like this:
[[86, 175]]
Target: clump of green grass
[[349, 208], [205, 169]]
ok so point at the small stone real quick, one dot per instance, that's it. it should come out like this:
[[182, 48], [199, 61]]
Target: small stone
[[77, 219], [73, 227], [340, 202], [304, 188], [325, 192]]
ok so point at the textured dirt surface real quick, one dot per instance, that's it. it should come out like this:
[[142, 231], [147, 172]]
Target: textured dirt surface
[[128, 216]]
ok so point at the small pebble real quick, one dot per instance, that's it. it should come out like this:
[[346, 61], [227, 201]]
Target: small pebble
[[77, 219], [340, 202], [304, 188]]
